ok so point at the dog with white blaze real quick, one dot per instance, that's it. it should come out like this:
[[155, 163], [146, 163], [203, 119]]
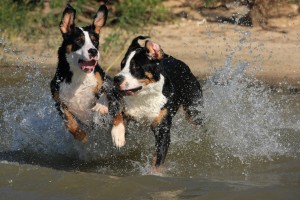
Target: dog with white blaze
[[153, 86], [80, 87]]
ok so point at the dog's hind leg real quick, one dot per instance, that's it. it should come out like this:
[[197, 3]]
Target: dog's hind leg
[[162, 141], [193, 111]]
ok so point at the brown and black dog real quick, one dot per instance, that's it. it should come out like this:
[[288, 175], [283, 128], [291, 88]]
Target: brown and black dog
[[154, 85], [77, 86]]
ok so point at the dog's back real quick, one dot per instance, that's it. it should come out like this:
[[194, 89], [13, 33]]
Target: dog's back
[[187, 90], [185, 84]]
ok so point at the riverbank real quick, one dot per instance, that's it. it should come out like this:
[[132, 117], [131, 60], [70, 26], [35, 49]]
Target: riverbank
[[271, 56]]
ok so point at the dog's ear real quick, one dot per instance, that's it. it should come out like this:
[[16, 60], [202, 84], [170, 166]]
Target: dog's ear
[[100, 19], [133, 46], [67, 23], [154, 51], [135, 42]]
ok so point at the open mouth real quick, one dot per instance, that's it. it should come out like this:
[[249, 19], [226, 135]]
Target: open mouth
[[87, 66], [132, 91]]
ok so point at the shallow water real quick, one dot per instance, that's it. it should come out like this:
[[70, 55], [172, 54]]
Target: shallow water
[[249, 147]]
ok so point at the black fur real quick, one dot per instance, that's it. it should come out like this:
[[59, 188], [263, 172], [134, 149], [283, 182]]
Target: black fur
[[74, 39], [181, 88]]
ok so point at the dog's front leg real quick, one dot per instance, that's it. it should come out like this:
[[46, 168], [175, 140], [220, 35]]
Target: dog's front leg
[[69, 119], [118, 131], [101, 105], [162, 142], [100, 93], [73, 127]]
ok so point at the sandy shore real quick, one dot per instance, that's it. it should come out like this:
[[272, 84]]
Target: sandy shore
[[206, 46], [274, 56]]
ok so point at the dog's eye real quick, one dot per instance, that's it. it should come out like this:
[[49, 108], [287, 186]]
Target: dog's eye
[[95, 42], [79, 41], [135, 67]]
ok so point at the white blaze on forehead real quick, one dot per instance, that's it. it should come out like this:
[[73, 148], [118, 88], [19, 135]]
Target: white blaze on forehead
[[130, 81], [126, 69], [87, 43]]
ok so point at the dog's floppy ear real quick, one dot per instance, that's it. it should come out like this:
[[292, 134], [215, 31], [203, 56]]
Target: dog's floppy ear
[[133, 46], [100, 19], [67, 23], [135, 42], [154, 50]]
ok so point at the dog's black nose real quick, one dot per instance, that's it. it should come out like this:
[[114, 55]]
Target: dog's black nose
[[93, 52], [118, 79]]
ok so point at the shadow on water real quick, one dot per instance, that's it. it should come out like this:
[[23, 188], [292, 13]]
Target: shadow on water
[[117, 164]]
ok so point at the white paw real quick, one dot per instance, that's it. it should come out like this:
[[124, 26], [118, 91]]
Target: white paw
[[118, 135], [102, 109]]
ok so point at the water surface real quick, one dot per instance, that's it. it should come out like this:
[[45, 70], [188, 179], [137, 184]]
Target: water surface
[[249, 147]]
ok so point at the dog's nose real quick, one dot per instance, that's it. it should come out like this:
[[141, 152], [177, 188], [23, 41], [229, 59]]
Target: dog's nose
[[118, 80], [93, 52]]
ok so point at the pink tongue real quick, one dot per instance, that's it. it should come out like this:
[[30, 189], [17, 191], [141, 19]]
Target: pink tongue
[[88, 66]]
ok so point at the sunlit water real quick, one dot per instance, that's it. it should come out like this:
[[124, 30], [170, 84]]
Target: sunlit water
[[249, 146]]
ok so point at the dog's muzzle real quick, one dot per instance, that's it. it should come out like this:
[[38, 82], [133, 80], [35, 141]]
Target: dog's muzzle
[[119, 80]]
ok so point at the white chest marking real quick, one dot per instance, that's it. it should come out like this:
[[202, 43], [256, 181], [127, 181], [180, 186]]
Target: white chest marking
[[79, 96], [147, 104]]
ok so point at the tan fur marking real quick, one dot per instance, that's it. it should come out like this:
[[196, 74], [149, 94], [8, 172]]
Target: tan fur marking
[[149, 75], [99, 82], [118, 119], [55, 96], [147, 80], [162, 114], [69, 48], [73, 127]]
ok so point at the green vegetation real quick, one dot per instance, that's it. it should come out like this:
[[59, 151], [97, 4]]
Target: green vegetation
[[131, 16], [209, 2], [136, 13], [33, 18], [28, 18]]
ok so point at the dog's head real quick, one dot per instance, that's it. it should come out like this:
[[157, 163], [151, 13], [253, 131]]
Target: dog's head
[[80, 44], [139, 67]]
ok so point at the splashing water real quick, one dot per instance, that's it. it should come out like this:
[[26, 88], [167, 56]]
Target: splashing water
[[243, 121], [242, 118]]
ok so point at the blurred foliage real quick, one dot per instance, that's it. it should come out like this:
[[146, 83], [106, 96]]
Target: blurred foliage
[[209, 2], [131, 16], [32, 18], [136, 13]]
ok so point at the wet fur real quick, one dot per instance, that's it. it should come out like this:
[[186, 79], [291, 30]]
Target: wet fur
[[153, 90], [74, 91]]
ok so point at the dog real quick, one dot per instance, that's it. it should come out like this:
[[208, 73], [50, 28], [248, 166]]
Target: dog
[[153, 86], [79, 84]]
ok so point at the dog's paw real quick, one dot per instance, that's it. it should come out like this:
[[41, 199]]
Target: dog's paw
[[102, 109], [118, 135], [81, 136], [158, 171]]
